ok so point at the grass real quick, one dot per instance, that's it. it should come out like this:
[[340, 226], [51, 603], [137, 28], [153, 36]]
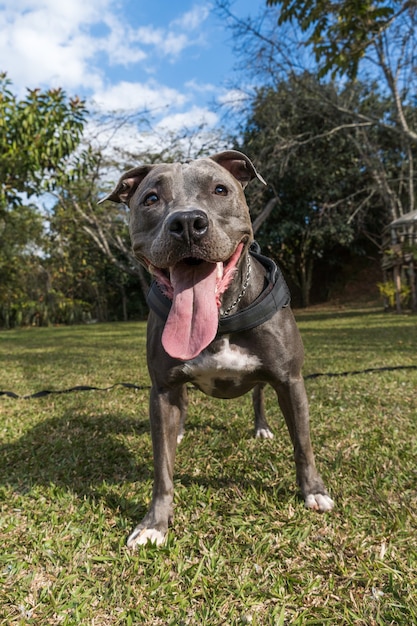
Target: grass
[[76, 475]]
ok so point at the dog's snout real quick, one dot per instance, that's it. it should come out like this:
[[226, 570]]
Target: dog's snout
[[188, 225]]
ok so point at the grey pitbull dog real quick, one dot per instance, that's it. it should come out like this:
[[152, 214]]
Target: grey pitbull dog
[[220, 316]]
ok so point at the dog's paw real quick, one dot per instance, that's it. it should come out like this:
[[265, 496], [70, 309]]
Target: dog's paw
[[264, 433], [142, 536], [319, 502]]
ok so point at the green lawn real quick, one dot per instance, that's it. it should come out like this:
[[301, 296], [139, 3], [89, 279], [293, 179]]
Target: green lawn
[[76, 475]]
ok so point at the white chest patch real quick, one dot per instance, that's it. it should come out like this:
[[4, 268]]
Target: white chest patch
[[229, 363]]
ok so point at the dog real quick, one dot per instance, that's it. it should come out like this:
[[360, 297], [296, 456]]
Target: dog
[[220, 316]]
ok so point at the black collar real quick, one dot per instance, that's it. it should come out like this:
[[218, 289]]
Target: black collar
[[275, 295]]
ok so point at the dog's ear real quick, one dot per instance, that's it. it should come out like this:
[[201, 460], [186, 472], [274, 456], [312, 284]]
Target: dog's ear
[[127, 184], [239, 165]]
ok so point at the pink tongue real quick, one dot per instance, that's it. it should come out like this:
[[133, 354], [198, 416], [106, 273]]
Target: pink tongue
[[193, 319]]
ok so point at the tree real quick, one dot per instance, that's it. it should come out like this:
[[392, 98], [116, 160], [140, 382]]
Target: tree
[[38, 139], [84, 283], [313, 170], [270, 49], [81, 264], [363, 39], [85, 235], [20, 236], [341, 32]]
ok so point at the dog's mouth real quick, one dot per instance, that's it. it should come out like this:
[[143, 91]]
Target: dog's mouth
[[193, 261], [195, 287]]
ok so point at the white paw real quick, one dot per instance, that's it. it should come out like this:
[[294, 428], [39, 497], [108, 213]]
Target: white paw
[[142, 536], [264, 433], [319, 502], [180, 437]]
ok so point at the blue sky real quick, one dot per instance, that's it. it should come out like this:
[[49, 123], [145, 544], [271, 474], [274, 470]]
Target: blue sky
[[173, 58]]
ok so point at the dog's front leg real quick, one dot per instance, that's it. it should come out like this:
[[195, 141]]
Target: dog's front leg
[[166, 410], [183, 413], [293, 401], [262, 429]]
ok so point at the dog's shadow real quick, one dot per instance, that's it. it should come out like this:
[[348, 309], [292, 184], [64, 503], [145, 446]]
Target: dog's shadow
[[78, 453]]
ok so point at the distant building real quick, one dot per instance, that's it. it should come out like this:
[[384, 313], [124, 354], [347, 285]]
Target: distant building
[[399, 263]]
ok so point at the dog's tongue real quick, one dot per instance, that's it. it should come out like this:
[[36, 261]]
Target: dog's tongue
[[193, 319]]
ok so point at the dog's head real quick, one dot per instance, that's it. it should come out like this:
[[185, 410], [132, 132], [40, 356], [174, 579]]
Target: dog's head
[[178, 209], [190, 226]]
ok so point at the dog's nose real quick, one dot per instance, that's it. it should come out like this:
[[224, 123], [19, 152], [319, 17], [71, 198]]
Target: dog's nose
[[188, 225]]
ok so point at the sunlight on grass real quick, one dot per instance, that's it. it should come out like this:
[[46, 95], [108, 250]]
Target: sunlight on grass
[[76, 475]]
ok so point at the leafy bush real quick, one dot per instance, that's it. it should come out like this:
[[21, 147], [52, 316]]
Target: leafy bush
[[387, 290]]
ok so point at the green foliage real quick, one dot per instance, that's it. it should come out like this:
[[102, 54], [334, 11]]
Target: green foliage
[[377, 115], [20, 235], [340, 32], [410, 250], [314, 171], [38, 135], [51, 271], [387, 290], [76, 476]]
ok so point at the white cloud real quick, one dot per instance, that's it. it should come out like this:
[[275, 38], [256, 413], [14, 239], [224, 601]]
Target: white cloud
[[127, 138], [72, 12], [79, 44], [235, 99], [195, 117], [150, 36], [47, 42], [193, 85], [120, 44], [174, 44], [112, 137], [175, 38], [161, 41], [138, 96], [194, 18]]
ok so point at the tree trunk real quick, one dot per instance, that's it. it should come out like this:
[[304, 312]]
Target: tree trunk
[[306, 274], [263, 215], [124, 302], [413, 287], [397, 281]]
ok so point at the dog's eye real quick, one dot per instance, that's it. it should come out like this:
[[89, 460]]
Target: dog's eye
[[220, 190], [150, 199]]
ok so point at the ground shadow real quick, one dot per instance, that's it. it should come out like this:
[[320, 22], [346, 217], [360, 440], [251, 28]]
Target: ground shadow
[[80, 452], [76, 452]]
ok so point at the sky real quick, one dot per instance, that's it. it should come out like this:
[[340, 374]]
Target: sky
[[173, 58]]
